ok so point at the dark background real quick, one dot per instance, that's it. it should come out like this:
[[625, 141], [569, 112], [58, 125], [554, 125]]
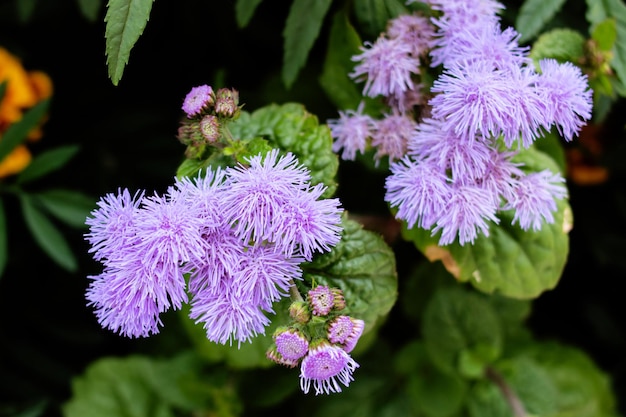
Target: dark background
[[127, 139]]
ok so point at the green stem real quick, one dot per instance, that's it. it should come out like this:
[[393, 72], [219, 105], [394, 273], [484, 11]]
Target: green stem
[[509, 395], [294, 294]]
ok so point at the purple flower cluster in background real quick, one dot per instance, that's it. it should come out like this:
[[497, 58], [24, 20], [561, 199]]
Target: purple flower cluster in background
[[238, 235], [452, 167], [321, 346]]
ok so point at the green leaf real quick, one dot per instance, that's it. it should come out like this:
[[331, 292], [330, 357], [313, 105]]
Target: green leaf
[[47, 162], [71, 207], [600, 10], [89, 8], [139, 386], [25, 9], [293, 129], [3, 89], [560, 44], [516, 263], [458, 327], [125, 22], [16, 133], [301, 30], [373, 15], [605, 34], [551, 145], [343, 43], [364, 267], [47, 236], [4, 239], [534, 14], [244, 10]]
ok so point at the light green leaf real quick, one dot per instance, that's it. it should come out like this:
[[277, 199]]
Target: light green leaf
[[71, 207], [600, 10], [560, 44], [125, 22], [534, 14], [605, 34], [47, 162], [4, 239], [343, 43], [47, 236], [89, 8], [301, 30], [461, 331], [244, 10], [364, 267], [16, 133]]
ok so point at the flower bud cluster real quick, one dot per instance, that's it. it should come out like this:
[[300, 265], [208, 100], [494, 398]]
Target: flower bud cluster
[[319, 340], [207, 111]]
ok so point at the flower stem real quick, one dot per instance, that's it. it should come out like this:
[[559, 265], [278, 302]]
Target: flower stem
[[294, 294], [509, 395]]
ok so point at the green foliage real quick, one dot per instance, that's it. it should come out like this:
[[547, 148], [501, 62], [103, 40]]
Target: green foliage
[[560, 44], [16, 133], [70, 207], [534, 14], [373, 15], [600, 10], [125, 22], [244, 10], [90, 9], [301, 30], [46, 163]]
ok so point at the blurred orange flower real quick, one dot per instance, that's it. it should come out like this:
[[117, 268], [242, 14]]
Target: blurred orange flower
[[23, 90]]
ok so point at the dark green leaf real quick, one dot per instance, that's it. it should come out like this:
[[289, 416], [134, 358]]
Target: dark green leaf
[[600, 10], [47, 162], [551, 145], [4, 239], [125, 22], [364, 267], [71, 207], [461, 331], [25, 9], [47, 235], [90, 8], [534, 14], [3, 89], [16, 133], [343, 43], [373, 15], [244, 10], [301, 30], [560, 44]]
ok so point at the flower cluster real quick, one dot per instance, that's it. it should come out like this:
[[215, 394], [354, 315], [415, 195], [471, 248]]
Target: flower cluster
[[452, 164], [320, 341], [229, 242], [24, 89]]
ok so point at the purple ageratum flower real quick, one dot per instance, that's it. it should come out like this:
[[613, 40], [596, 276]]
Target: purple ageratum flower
[[254, 194], [197, 100], [291, 344], [565, 89], [466, 214], [407, 101], [386, 67], [501, 175], [111, 225], [390, 135], [415, 30], [358, 326], [339, 329], [466, 159], [321, 300], [307, 224], [534, 198], [351, 132], [419, 190], [326, 366]]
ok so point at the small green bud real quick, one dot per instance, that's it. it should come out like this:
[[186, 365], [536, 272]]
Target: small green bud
[[226, 102], [210, 128], [300, 312]]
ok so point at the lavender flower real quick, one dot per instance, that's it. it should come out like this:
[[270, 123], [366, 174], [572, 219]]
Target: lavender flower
[[353, 337], [414, 30], [291, 344], [339, 329], [386, 67], [390, 135], [326, 366], [321, 300], [351, 132], [197, 100]]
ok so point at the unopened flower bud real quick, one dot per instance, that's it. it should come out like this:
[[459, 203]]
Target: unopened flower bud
[[300, 312], [321, 300], [189, 133], [210, 128], [339, 302], [275, 356], [226, 101]]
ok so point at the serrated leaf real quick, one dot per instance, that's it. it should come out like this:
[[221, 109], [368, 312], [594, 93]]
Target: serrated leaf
[[47, 236], [16, 133], [244, 10], [534, 14], [125, 22], [301, 30], [560, 44], [47, 162], [343, 43], [71, 207], [458, 325], [364, 267], [600, 10], [4, 239], [89, 8], [293, 129]]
